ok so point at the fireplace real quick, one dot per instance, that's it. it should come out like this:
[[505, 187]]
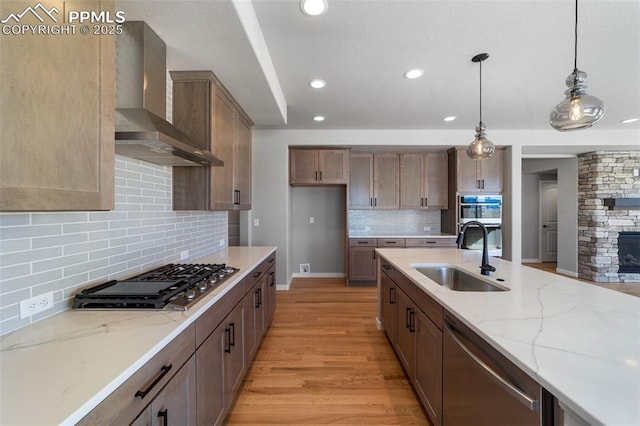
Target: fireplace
[[629, 252]]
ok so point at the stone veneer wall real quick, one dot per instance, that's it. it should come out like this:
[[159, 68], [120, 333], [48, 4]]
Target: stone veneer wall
[[601, 175]]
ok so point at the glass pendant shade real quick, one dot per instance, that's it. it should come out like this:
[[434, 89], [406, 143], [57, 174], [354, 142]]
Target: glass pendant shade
[[578, 110], [481, 148]]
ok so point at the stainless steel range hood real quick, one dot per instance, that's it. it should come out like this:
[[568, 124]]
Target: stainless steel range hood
[[142, 131]]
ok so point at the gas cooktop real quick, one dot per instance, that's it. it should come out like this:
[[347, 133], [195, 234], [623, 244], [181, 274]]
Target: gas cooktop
[[169, 287]]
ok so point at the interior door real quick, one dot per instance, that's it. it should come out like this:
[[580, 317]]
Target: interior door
[[548, 221]]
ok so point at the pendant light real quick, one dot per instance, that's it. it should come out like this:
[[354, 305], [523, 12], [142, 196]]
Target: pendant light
[[578, 110], [481, 148]]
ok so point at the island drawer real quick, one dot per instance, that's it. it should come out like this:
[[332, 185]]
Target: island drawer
[[387, 269], [431, 242], [390, 242]]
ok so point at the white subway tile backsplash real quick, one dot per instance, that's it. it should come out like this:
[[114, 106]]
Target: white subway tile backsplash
[[64, 252]]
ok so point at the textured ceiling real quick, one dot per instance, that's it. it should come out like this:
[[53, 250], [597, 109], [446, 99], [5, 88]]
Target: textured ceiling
[[362, 48]]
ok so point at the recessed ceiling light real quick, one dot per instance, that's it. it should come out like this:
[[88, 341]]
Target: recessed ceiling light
[[630, 120], [449, 118], [318, 118], [313, 7], [317, 83], [414, 73]]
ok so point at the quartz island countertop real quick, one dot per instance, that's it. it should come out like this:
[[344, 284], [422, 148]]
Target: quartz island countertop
[[579, 341], [58, 369], [378, 234]]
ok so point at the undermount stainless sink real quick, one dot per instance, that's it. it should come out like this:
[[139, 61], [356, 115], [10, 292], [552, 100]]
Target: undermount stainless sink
[[456, 279]]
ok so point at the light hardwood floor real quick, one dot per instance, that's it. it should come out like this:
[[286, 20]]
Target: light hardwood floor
[[323, 361], [628, 288]]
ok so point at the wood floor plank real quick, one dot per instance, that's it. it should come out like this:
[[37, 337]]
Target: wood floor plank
[[323, 361]]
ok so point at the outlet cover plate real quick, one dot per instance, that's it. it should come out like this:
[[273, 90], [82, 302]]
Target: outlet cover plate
[[36, 304]]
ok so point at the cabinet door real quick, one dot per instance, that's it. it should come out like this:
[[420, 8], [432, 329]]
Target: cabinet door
[[223, 146], [388, 309], [428, 367], [405, 335], [386, 181], [468, 180], [333, 165], [303, 166], [437, 181], [176, 403], [234, 354], [210, 391], [361, 181], [249, 332], [491, 173], [242, 163], [57, 103], [270, 296], [362, 264], [412, 181]]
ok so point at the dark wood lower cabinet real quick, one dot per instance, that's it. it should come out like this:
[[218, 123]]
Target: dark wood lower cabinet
[[405, 332], [412, 322], [428, 367], [389, 297], [210, 373], [195, 378], [176, 403]]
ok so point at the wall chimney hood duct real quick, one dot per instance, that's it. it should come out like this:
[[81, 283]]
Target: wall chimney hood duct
[[142, 131]]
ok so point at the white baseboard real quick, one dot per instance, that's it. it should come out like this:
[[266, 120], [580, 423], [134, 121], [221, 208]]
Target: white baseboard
[[379, 324], [568, 273], [283, 287], [318, 275], [531, 261]]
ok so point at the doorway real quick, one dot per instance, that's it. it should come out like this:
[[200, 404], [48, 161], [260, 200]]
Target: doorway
[[548, 226]]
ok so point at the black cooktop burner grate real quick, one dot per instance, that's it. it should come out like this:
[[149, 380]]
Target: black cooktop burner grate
[[171, 286]]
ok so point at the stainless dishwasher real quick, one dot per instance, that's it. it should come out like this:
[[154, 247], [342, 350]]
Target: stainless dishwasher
[[482, 387]]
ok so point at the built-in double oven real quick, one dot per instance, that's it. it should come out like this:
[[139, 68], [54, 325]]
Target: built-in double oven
[[486, 209]]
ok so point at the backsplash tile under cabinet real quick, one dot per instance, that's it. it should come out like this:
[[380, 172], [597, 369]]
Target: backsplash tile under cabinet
[[67, 251], [381, 222]]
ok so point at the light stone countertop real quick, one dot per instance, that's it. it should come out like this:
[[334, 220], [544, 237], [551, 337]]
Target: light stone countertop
[[579, 341], [58, 369], [369, 234]]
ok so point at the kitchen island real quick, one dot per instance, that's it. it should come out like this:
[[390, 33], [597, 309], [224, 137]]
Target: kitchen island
[[59, 369], [579, 341]]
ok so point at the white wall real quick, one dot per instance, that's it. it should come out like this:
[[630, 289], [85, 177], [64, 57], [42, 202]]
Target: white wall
[[567, 207], [271, 192], [320, 244]]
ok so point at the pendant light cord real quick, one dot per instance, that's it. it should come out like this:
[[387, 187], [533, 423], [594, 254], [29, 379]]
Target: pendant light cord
[[575, 37], [480, 92]]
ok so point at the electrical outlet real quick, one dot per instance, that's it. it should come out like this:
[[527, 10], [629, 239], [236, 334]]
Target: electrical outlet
[[367, 228], [426, 228], [36, 304], [312, 219], [184, 254], [256, 222], [305, 268], [223, 242]]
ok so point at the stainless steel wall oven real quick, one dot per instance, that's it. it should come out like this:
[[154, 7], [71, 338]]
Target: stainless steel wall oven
[[486, 209]]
